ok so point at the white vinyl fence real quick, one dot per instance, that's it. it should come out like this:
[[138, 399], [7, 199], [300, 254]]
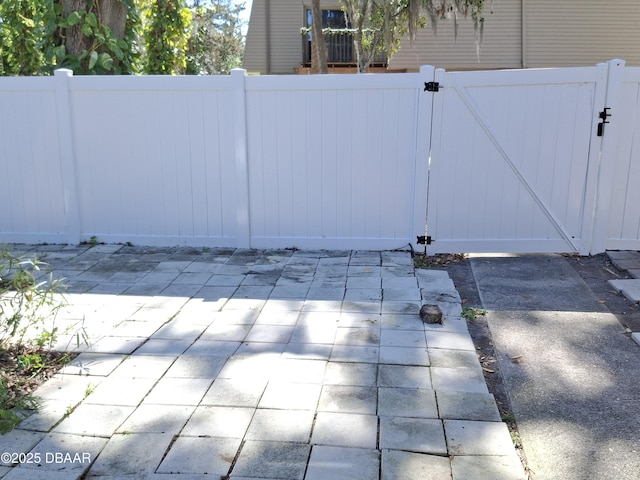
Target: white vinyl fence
[[504, 161]]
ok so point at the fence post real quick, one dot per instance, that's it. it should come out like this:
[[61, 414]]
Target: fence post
[[241, 158], [67, 155], [608, 156]]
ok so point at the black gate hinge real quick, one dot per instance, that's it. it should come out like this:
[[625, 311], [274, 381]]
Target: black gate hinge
[[424, 240], [431, 86]]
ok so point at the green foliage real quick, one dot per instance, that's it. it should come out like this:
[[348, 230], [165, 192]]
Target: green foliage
[[166, 36], [216, 43], [31, 361], [95, 49], [28, 304], [150, 36], [23, 36], [36, 38], [12, 407], [471, 313]]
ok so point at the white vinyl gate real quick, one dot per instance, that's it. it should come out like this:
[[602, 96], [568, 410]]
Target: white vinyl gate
[[517, 163]]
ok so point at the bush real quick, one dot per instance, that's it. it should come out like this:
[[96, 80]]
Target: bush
[[28, 304]]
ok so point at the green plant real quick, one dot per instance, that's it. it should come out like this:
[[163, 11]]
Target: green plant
[[89, 390], [28, 303], [515, 438], [508, 417], [31, 361], [12, 407], [471, 313]]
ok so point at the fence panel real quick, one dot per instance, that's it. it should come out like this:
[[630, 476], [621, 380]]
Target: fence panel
[[31, 188], [155, 159], [624, 217], [332, 160], [512, 162]]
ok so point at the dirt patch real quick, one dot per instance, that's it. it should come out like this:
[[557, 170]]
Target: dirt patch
[[23, 369]]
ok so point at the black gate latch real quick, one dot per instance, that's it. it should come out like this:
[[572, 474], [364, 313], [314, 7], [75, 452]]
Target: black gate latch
[[603, 116], [424, 240]]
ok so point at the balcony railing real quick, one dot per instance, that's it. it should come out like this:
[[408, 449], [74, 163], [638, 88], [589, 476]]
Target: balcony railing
[[340, 51]]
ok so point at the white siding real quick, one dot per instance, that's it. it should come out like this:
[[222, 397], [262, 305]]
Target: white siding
[[277, 48], [517, 33], [581, 32], [286, 41], [256, 44], [501, 46]]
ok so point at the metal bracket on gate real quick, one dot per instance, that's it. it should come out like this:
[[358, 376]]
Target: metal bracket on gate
[[431, 86], [603, 116], [424, 240]]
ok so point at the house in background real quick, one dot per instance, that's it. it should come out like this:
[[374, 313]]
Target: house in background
[[517, 34]]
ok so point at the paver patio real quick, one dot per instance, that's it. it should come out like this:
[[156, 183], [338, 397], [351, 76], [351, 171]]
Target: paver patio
[[207, 363]]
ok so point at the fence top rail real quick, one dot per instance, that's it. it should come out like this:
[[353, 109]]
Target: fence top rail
[[150, 82], [338, 81], [26, 84], [542, 76]]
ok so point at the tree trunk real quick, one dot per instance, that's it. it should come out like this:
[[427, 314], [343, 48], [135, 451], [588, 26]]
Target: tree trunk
[[75, 41], [318, 47], [111, 13], [361, 62], [357, 13]]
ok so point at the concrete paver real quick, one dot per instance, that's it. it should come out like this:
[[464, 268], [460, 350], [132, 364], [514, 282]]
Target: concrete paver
[[486, 467], [466, 437], [407, 402], [345, 430], [283, 460], [281, 425], [216, 421], [404, 376], [263, 364], [340, 463], [630, 288], [401, 465], [467, 406], [204, 455], [131, 453], [413, 435], [157, 419]]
